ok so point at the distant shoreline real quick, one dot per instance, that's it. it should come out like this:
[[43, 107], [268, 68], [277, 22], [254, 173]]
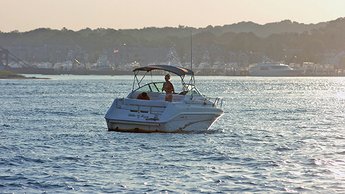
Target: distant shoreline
[[19, 77], [11, 75], [20, 74]]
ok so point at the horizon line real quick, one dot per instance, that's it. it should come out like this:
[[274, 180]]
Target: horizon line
[[162, 27]]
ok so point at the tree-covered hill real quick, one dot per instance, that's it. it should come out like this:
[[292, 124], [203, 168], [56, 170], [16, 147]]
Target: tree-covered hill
[[244, 42]]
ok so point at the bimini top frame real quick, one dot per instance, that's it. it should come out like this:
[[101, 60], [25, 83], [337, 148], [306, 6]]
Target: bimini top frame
[[180, 71]]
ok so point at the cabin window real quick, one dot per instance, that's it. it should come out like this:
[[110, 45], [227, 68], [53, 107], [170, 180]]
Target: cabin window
[[145, 88], [264, 68], [151, 87], [279, 67]]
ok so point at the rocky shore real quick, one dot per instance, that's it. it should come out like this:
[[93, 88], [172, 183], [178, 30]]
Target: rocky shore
[[10, 75]]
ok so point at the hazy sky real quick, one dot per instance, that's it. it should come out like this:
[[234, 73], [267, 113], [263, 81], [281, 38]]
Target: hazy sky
[[25, 15]]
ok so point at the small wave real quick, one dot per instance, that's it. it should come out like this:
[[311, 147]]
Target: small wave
[[44, 184], [319, 162], [71, 179], [339, 137], [21, 159], [71, 158], [283, 148], [212, 131], [15, 177], [96, 113], [60, 113], [6, 125]]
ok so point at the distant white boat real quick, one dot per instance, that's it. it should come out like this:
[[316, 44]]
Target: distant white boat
[[273, 69], [189, 111]]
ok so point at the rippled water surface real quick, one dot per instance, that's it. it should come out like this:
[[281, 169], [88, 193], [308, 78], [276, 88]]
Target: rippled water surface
[[276, 135]]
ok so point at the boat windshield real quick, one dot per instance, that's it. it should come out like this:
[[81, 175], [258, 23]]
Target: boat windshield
[[154, 86], [187, 89], [151, 87]]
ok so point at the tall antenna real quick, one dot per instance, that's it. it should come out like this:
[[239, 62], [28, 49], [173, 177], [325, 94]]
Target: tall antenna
[[191, 49], [192, 80]]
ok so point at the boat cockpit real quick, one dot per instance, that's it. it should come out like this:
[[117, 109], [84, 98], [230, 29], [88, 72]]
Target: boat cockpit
[[154, 89], [155, 92]]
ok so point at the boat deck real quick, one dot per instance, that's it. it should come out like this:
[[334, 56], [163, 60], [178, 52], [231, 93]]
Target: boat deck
[[157, 96]]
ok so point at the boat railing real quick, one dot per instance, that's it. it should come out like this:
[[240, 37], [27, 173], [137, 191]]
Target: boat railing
[[216, 102], [201, 99]]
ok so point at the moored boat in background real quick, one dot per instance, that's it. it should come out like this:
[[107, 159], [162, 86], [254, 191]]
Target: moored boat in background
[[273, 69]]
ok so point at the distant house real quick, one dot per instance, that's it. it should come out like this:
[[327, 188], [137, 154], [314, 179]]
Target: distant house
[[44, 65], [66, 66]]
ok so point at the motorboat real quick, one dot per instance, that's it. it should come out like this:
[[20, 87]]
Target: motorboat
[[188, 112], [273, 69]]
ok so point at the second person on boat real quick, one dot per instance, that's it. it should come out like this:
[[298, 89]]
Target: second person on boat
[[168, 87]]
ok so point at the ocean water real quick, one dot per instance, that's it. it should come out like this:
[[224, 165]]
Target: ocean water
[[277, 135]]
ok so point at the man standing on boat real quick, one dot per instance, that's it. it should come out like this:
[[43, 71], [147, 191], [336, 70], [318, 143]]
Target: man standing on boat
[[168, 88]]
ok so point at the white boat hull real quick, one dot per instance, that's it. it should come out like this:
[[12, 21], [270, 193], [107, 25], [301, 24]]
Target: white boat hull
[[145, 109], [128, 115]]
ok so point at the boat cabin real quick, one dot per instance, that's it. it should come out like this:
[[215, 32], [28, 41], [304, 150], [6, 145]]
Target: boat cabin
[[154, 89]]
